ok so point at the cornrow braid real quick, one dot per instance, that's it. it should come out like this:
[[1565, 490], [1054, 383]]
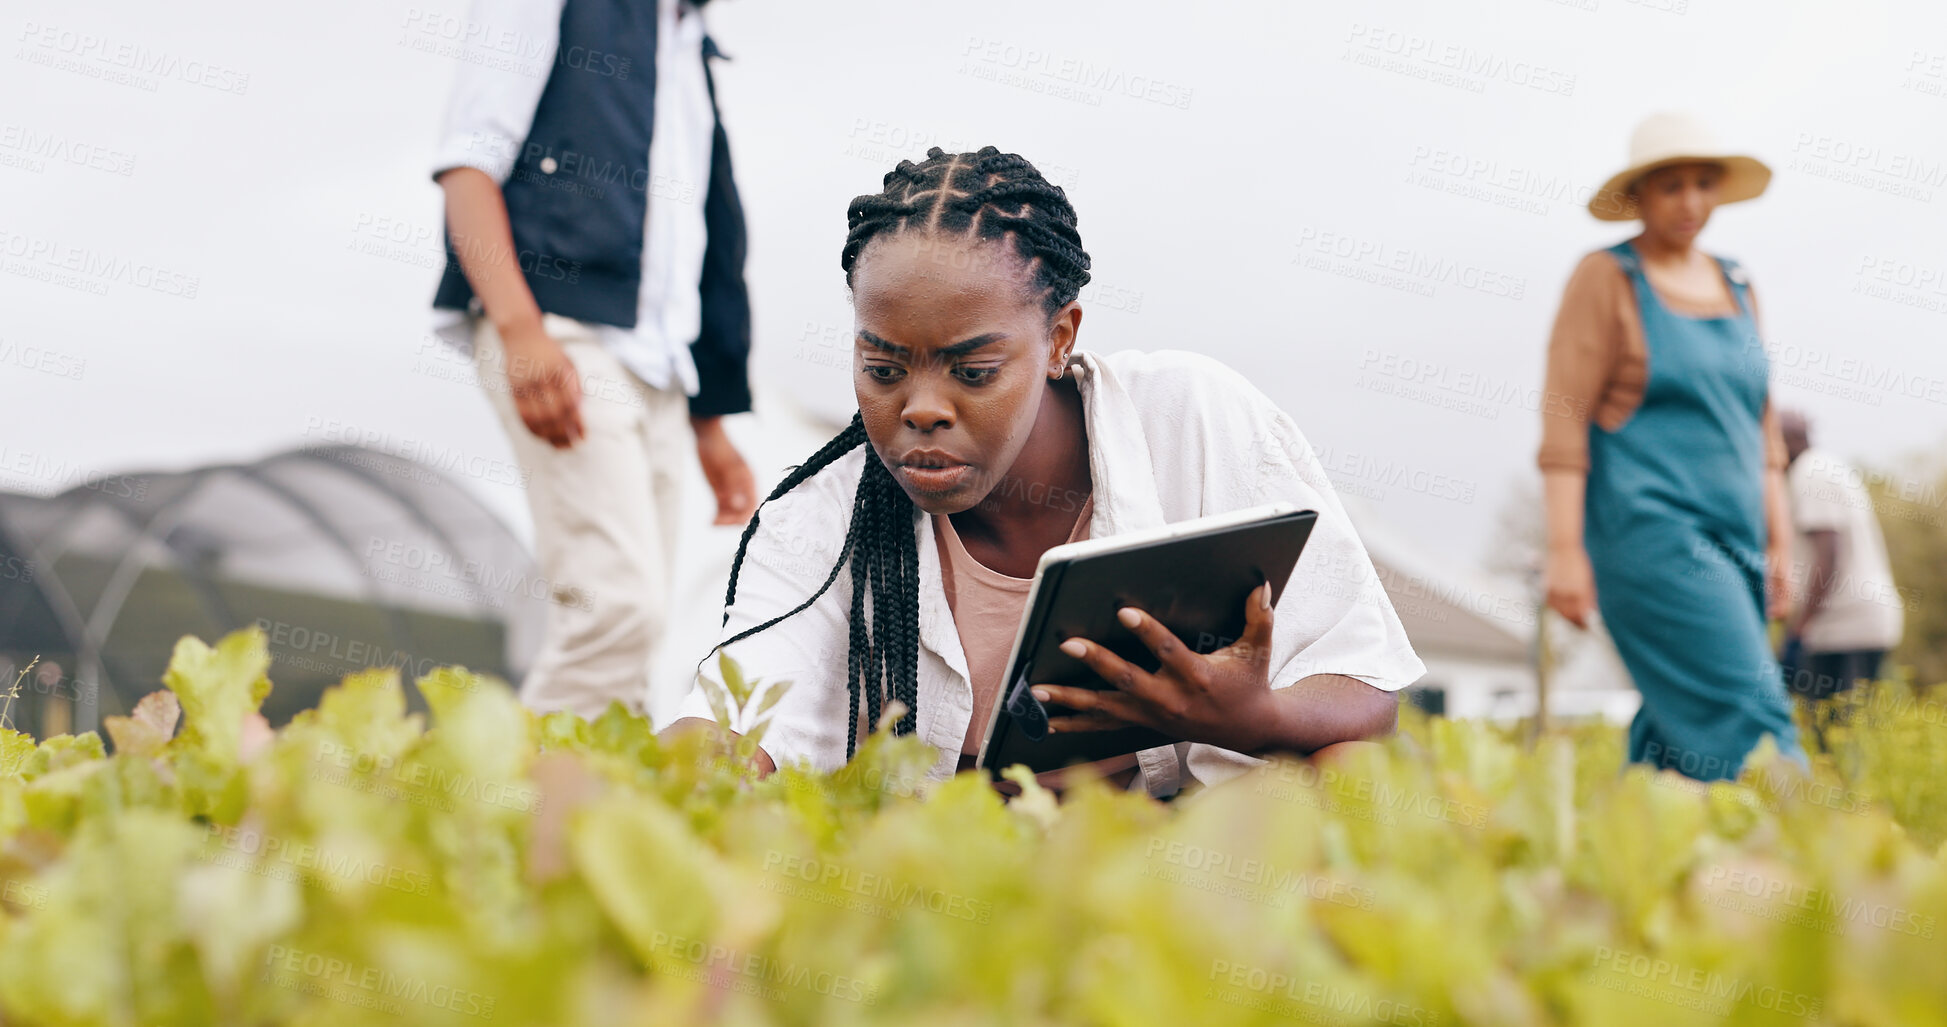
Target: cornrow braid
[[988, 195]]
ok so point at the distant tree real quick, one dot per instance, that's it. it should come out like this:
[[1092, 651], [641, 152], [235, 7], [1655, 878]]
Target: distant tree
[[1515, 553], [1912, 508]]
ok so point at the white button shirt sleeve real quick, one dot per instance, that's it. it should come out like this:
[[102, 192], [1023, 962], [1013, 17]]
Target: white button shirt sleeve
[[498, 83], [1334, 616]]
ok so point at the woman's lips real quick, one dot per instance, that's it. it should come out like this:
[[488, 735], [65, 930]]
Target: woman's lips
[[936, 479]]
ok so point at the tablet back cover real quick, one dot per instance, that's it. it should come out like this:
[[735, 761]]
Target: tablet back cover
[[1196, 586]]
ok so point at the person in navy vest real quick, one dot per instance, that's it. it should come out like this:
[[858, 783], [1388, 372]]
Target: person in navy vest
[[595, 246]]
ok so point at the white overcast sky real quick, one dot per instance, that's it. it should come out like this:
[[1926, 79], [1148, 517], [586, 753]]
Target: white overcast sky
[[289, 137]]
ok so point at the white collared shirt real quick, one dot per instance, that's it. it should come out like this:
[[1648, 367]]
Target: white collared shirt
[[1172, 436], [488, 118]]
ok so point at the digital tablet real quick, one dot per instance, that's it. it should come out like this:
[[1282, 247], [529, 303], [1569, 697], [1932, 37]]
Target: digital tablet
[[1193, 576]]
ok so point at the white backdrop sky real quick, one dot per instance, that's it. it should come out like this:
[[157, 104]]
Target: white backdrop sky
[[274, 157]]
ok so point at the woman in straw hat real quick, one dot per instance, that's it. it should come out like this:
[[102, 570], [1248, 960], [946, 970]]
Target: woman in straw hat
[[1663, 465]]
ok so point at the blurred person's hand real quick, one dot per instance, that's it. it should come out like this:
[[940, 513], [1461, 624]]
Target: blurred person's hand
[[545, 386], [1777, 586], [1570, 583], [724, 468]]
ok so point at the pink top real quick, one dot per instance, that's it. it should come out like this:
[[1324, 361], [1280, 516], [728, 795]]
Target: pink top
[[987, 608]]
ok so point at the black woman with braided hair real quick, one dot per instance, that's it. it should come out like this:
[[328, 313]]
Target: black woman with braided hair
[[893, 564]]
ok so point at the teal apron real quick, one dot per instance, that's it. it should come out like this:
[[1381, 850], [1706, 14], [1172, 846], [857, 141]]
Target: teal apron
[[1675, 528]]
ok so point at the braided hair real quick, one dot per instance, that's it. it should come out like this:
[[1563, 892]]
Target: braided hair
[[988, 195]]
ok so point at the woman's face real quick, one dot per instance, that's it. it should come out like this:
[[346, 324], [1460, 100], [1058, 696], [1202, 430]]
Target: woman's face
[[951, 361], [1675, 202]]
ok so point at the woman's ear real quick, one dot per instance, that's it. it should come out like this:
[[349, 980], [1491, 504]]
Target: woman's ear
[[1062, 333]]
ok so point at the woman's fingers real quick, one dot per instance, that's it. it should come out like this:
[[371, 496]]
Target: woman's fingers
[[1162, 641], [1255, 646], [1085, 722], [1094, 710], [1121, 675]]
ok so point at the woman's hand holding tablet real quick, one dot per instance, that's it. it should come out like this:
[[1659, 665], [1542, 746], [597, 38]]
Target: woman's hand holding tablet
[[1222, 698]]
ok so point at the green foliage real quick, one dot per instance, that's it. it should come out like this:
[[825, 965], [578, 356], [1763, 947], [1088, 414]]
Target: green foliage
[[1911, 502], [363, 867]]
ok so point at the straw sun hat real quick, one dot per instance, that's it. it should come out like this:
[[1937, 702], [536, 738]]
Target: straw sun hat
[[1665, 139]]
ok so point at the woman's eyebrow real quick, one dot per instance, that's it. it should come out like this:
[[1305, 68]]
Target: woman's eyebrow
[[955, 350]]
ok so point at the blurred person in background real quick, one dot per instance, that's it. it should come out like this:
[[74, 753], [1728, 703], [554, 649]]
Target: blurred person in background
[[596, 247], [1846, 611], [1663, 467]]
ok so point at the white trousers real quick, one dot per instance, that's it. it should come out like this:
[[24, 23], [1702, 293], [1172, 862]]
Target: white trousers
[[605, 523]]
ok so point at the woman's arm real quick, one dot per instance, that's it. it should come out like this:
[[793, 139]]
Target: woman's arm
[[1325, 710], [1778, 525], [545, 387], [1583, 351], [1777, 504], [1568, 578]]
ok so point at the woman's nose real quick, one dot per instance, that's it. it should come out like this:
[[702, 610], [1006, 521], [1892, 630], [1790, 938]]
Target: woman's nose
[[927, 408]]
